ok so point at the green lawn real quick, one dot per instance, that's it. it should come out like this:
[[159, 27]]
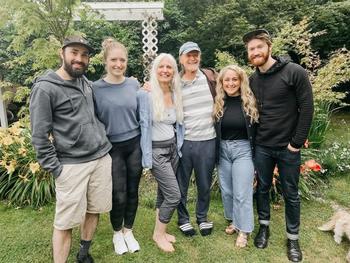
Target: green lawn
[[25, 234], [340, 127]]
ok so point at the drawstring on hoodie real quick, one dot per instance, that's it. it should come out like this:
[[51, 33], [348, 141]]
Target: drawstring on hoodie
[[70, 99]]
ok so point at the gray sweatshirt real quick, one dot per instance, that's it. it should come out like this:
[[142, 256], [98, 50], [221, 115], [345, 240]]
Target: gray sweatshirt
[[65, 110], [116, 107]]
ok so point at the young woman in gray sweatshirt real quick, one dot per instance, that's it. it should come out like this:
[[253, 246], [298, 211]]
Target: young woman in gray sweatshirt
[[116, 107]]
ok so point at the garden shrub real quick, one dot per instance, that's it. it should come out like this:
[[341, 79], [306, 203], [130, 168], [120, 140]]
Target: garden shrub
[[22, 180]]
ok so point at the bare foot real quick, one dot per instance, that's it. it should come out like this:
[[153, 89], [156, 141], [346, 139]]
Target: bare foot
[[170, 238], [163, 243]]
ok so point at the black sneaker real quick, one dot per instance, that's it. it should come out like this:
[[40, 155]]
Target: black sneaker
[[205, 228], [85, 259], [187, 229], [293, 251]]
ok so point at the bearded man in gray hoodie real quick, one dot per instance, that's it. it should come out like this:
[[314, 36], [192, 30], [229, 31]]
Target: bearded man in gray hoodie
[[71, 143]]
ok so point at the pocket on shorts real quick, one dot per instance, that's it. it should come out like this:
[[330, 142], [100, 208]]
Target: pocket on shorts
[[63, 175]]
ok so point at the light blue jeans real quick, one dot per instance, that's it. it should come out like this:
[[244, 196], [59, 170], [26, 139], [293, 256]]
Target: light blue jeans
[[236, 177]]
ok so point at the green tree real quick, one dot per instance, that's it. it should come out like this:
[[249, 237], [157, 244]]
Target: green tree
[[96, 29], [221, 28], [335, 19], [34, 32], [39, 28], [324, 74], [172, 32]]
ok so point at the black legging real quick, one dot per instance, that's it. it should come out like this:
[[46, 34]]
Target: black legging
[[126, 173]]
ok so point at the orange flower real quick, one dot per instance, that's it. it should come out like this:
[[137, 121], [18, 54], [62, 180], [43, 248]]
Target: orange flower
[[313, 165]]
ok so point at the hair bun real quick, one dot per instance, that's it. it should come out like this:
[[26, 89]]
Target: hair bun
[[107, 42]]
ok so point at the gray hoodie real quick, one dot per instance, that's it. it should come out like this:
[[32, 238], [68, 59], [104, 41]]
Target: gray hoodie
[[65, 110]]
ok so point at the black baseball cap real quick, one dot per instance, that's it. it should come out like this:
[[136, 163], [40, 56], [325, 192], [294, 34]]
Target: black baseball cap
[[70, 40], [250, 35]]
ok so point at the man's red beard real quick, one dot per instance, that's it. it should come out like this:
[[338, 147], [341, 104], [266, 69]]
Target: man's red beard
[[259, 60]]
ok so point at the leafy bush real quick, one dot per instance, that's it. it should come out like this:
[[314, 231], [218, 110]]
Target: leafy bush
[[22, 180], [335, 160]]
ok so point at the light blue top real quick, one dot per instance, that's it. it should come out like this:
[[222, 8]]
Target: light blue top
[[146, 121]]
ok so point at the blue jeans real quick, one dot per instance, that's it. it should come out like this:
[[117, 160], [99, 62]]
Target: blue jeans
[[288, 164], [236, 175]]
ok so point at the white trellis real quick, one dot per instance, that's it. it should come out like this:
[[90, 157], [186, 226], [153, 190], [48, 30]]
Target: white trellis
[[147, 12], [150, 48]]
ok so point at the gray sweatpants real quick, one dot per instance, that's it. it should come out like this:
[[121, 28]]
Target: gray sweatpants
[[165, 162]]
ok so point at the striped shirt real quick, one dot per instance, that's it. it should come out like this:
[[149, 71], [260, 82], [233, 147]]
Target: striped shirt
[[198, 108]]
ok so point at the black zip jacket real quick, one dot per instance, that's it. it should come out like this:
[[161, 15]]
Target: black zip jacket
[[285, 103]]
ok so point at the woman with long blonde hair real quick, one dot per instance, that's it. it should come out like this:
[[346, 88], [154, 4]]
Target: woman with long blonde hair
[[162, 138], [235, 115]]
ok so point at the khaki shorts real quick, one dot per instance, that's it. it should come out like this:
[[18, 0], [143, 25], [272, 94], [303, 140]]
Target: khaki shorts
[[83, 188]]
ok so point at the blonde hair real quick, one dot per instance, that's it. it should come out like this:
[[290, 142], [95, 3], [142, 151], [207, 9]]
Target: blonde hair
[[247, 96], [157, 92], [110, 43]]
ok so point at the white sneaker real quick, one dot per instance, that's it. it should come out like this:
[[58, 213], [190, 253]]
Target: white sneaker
[[119, 244], [131, 242]]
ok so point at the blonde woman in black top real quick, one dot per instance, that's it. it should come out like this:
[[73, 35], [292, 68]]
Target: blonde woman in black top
[[235, 113]]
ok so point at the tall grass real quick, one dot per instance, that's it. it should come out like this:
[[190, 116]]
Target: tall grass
[[320, 124]]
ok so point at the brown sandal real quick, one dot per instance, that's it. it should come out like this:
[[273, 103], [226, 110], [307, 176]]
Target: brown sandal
[[230, 229], [242, 240]]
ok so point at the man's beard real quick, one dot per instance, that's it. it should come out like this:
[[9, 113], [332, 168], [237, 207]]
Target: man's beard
[[192, 67], [74, 73], [265, 57]]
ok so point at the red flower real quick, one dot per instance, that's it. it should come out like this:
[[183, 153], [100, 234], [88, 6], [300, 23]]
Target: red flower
[[313, 165]]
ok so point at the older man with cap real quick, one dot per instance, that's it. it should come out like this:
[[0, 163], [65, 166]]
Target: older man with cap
[[198, 150], [285, 103], [71, 143]]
